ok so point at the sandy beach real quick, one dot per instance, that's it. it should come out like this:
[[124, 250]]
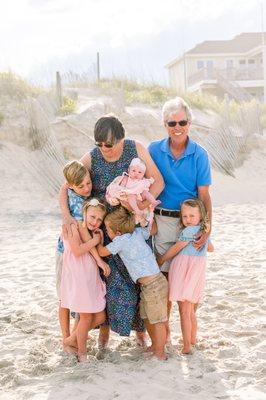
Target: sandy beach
[[229, 361]]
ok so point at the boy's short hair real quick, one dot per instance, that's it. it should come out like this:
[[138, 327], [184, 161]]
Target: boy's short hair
[[75, 172], [121, 220]]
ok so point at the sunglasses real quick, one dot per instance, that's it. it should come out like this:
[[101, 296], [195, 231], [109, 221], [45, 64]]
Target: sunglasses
[[172, 124], [107, 145]]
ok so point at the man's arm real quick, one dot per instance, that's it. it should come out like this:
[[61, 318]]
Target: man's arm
[[204, 196]]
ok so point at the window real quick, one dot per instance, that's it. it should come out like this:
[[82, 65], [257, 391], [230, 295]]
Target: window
[[200, 64], [251, 61], [229, 64], [242, 62]]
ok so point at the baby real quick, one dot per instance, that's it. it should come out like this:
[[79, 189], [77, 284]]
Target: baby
[[131, 187]]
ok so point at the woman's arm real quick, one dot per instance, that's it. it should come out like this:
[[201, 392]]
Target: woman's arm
[[86, 161], [77, 247], [171, 252], [63, 203], [67, 218]]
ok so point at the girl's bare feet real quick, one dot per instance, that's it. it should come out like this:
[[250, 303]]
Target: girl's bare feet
[[186, 350], [71, 341], [82, 358], [70, 349], [103, 338], [161, 356]]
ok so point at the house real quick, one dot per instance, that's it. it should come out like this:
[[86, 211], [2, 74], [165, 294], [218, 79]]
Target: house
[[233, 66]]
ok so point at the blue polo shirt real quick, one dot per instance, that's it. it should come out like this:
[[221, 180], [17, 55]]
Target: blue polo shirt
[[182, 176]]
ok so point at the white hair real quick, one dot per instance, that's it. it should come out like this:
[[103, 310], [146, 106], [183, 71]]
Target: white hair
[[174, 106]]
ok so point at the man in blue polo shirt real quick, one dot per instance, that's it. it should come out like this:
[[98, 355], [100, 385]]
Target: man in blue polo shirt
[[185, 167]]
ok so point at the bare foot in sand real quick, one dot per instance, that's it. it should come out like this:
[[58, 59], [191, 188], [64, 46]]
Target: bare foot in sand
[[150, 349], [70, 349], [161, 356], [71, 341], [142, 340], [186, 350], [82, 358]]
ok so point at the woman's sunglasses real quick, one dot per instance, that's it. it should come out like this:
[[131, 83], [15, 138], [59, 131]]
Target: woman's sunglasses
[[172, 124], [107, 145]]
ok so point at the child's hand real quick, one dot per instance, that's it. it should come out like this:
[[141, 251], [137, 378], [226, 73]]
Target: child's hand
[[100, 232], [96, 235], [105, 268], [159, 259]]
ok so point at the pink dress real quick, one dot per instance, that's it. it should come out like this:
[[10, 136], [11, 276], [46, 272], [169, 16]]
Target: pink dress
[[187, 270], [82, 289], [116, 191]]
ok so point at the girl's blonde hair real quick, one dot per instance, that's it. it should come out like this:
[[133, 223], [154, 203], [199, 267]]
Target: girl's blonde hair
[[121, 220], [75, 172], [96, 203], [204, 218]]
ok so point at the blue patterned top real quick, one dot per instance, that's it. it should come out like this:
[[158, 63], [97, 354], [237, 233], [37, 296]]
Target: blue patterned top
[[135, 253], [75, 204], [188, 235]]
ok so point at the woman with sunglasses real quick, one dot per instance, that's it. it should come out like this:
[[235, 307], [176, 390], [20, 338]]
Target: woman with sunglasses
[[111, 157], [185, 167]]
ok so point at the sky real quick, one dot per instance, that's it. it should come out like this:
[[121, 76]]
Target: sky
[[134, 38]]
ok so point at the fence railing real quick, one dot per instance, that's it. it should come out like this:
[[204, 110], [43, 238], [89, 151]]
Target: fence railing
[[232, 74]]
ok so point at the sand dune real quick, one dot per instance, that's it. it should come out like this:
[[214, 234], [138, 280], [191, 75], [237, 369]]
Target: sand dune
[[229, 361]]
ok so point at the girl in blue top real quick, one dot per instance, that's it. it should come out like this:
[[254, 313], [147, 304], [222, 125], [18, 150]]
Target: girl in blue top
[[187, 269]]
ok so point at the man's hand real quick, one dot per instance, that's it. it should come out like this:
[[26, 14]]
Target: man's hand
[[200, 240], [159, 259]]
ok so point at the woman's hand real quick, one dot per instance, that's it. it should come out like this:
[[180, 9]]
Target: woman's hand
[[104, 267]]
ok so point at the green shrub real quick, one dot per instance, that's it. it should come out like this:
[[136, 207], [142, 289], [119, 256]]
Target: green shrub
[[68, 106], [1, 118]]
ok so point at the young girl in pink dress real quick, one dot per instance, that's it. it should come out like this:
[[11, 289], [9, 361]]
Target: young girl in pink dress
[[187, 269], [131, 187], [82, 289]]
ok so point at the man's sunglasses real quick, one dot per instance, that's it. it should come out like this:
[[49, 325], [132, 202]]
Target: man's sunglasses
[[107, 145], [172, 124]]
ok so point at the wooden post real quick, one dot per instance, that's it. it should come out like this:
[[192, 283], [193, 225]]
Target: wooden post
[[98, 67], [59, 88]]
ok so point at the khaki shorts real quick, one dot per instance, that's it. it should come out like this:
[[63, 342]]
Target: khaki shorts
[[153, 300], [167, 235], [58, 271]]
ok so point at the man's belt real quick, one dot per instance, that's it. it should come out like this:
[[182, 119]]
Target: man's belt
[[167, 213]]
